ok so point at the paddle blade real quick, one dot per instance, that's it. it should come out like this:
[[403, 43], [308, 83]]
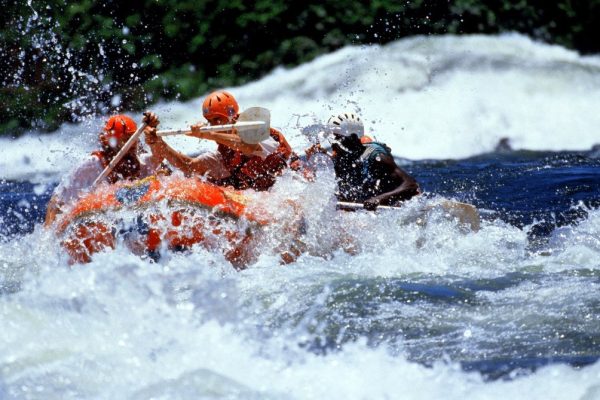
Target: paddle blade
[[256, 135], [466, 213]]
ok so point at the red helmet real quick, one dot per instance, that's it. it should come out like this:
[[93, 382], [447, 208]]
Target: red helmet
[[120, 126], [220, 104]]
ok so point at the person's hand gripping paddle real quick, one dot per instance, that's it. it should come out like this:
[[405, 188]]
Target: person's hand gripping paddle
[[252, 127], [119, 156]]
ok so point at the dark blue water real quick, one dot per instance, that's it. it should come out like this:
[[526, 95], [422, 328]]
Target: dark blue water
[[537, 190], [522, 188], [21, 208]]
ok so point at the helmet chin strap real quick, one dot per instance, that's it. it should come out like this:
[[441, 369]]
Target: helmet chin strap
[[333, 141], [351, 146]]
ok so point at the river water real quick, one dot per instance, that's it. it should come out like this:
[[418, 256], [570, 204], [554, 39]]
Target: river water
[[416, 310]]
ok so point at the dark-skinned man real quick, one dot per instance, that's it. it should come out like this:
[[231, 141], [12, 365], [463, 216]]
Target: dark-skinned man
[[365, 170]]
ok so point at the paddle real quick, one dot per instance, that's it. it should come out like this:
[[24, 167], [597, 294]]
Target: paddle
[[252, 126], [346, 205], [258, 135], [120, 154], [466, 213], [240, 126]]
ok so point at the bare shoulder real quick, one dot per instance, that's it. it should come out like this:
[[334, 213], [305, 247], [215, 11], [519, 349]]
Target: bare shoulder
[[209, 156], [87, 171]]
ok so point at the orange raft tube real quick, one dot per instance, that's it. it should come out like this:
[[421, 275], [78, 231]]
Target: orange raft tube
[[154, 214]]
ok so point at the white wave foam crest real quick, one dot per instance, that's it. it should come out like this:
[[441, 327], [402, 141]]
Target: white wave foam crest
[[427, 97], [189, 324], [448, 97], [577, 245], [124, 328]]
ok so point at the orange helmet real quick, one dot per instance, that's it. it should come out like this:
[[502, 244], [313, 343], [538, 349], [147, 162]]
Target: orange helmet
[[120, 126], [366, 139], [220, 104]]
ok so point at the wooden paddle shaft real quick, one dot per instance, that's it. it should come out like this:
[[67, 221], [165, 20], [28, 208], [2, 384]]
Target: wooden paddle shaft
[[346, 205], [116, 159], [214, 128]]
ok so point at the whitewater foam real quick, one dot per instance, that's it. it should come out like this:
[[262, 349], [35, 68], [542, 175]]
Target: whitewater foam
[[362, 312], [426, 97], [122, 327]]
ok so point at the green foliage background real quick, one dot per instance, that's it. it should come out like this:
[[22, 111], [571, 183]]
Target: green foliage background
[[61, 60]]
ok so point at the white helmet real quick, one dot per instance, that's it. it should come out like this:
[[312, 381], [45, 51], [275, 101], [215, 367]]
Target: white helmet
[[346, 124]]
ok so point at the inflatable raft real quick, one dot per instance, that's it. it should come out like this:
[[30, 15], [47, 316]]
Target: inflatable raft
[[155, 214], [175, 213]]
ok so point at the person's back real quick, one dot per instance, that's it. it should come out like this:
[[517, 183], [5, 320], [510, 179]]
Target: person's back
[[117, 131], [365, 169], [253, 171], [349, 178], [235, 163], [361, 175]]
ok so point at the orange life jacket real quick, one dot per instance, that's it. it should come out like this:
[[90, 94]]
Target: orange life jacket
[[128, 168], [254, 172]]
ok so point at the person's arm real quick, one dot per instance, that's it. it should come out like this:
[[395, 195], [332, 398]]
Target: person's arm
[[156, 158], [161, 150], [71, 187], [53, 209], [231, 140], [405, 190], [314, 149]]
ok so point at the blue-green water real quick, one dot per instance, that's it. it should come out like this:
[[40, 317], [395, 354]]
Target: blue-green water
[[488, 315], [417, 307]]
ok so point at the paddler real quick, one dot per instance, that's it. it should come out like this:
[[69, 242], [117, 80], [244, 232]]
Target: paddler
[[365, 169], [117, 130], [234, 163]]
